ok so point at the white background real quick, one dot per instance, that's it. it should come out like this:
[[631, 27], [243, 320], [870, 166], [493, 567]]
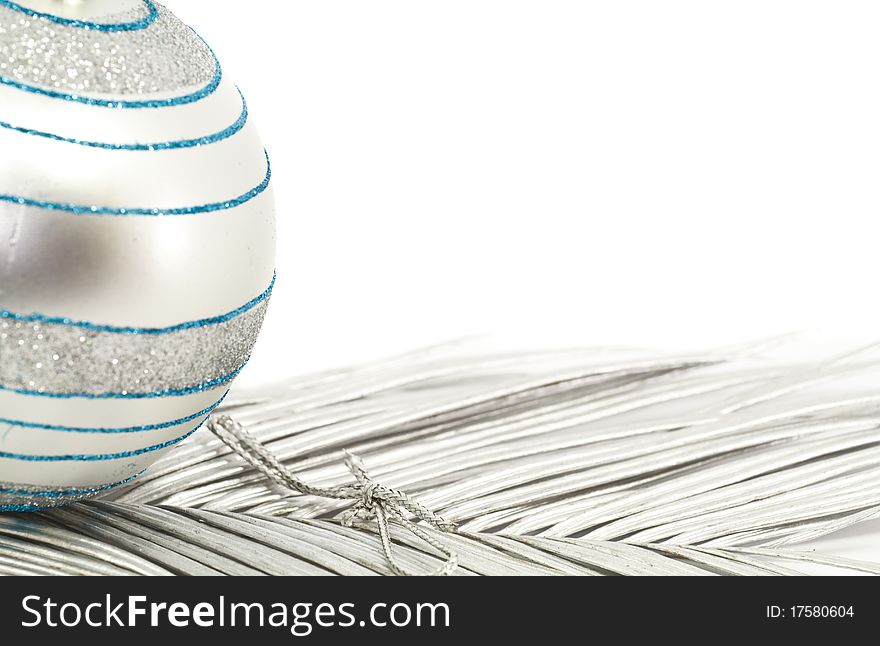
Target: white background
[[665, 174]]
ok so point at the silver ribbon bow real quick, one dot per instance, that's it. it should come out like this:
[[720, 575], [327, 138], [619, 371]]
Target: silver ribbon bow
[[372, 499]]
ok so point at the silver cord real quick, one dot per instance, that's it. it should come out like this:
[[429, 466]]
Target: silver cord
[[372, 499]]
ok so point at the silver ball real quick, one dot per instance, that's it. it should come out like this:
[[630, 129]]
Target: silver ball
[[136, 242]]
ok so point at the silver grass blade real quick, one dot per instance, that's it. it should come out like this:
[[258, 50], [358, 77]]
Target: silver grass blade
[[352, 540], [724, 485], [329, 548], [826, 526], [616, 558], [74, 545], [159, 547], [812, 557], [14, 566], [525, 552], [719, 563], [61, 562], [262, 532], [703, 555]]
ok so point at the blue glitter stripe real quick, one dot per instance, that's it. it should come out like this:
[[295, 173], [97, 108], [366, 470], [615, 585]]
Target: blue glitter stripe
[[94, 327], [125, 429], [165, 145], [143, 23], [97, 457], [198, 95], [168, 392], [63, 493], [24, 508], [78, 209]]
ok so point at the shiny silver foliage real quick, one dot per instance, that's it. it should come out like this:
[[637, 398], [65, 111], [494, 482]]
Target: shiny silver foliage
[[565, 462]]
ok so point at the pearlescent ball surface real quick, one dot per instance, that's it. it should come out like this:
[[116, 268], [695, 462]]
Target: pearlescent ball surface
[[136, 242]]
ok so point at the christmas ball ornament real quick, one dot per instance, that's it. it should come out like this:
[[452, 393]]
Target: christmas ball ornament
[[136, 242]]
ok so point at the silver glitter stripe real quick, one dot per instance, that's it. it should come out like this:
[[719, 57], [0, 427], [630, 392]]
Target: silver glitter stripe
[[51, 358], [14, 496], [165, 57], [10, 502]]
